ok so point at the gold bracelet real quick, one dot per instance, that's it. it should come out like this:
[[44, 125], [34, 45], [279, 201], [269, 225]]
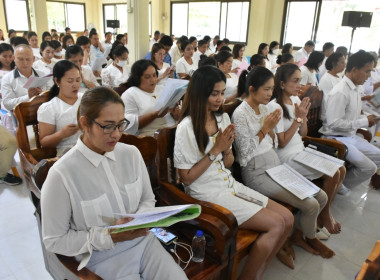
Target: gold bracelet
[[262, 132]]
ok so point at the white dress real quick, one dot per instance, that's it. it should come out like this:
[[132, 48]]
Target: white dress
[[295, 145], [113, 77], [216, 184], [326, 84], [138, 102], [231, 85], [183, 67], [59, 113], [88, 75], [273, 61]]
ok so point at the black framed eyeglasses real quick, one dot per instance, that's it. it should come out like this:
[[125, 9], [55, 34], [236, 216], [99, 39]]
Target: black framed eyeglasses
[[109, 128]]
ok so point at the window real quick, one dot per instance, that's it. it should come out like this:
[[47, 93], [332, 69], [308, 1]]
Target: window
[[300, 20], [321, 21], [17, 14], [210, 18], [116, 12], [64, 14]]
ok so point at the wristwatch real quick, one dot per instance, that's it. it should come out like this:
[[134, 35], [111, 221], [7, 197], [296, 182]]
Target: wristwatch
[[211, 156], [299, 120]]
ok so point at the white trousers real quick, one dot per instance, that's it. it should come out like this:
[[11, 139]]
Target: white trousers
[[364, 157], [8, 147]]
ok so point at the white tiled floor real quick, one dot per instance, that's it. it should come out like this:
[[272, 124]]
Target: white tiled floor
[[21, 255]]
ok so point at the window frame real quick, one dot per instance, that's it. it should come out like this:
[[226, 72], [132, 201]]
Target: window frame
[[220, 14], [314, 30], [64, 7], [115, 11], [27, 12]]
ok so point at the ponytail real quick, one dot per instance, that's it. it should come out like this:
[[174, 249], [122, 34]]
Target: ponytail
[[242, 82]]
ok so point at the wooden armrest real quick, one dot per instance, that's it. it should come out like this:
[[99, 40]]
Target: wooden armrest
[[342, 149], [71, 264], [41, 170], [366, 134]]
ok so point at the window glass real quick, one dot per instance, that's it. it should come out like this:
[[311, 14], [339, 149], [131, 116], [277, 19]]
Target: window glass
[[75, 17], [299, 22], [179, 19], [237, 21], [203, 19], [56, 15], [109, 14], [62, 14], [17, 15]]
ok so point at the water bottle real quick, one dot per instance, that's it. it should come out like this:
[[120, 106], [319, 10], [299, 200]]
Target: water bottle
[[198, 245]]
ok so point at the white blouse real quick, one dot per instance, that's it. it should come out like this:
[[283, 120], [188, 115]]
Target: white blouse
[[138, 102], [248, 125], [113, 77], [161, 72], [273, 61], [231, 85], [36, 53], [82, 193], [326, 84], [243, 64], [59, 113], [308, 77], [295, 144], [44, 67], [183, 67], [88, 75]]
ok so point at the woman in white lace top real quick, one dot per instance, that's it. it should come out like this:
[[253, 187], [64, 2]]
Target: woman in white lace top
[[255, 143]]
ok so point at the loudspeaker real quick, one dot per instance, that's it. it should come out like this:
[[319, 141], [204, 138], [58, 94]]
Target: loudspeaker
[[113, 23], [357, 19]]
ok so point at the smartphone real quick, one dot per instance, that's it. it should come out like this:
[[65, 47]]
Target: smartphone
[[163, 235]]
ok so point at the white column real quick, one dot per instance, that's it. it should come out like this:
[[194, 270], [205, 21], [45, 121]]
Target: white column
[[138, 29]]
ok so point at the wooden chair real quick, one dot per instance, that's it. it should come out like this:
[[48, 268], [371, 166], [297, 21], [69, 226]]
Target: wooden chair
[[63, 267], [26, 114], [242, 239], [370, 269]]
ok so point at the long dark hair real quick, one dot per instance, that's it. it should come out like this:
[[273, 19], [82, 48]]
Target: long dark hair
[[255, 78], [6, 47], [236, 49], [59, 70], [138, 68], [283, 74], [260, 49], [314, 60], [286, 48], [272, 45], [198, 91]]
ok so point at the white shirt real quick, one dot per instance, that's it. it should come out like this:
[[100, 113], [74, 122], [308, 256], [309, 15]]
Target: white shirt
[[231, 85], [2, 74], [326, 84], [243, 64], [36, 53], [322, 69], [161, 72], [273, 61], [343, 112], [151, 43], [248, 125], [308, 77], [300, 57], [12, 88], [44, 67], [197, 55], [175, 54], [267, 64], [106, 45], [183, 67], [373, 79], [89, 76], [295, 145], [82, 192], [59, 113], [138, 102], [212, 47], [113, 77]]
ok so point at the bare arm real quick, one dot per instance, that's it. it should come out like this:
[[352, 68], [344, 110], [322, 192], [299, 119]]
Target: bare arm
[[51, 138]]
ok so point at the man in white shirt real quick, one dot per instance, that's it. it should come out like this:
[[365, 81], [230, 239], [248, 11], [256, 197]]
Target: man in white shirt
[[213, 43], [327, 49], [343, 118], [202, 48], [96, 50], [301, 56], [107, 42], [12, 84], [155, 39], [175, 52]]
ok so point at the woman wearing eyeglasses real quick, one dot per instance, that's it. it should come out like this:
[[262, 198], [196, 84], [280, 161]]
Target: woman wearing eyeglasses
[[141, 97], [97, 178], [57, 119]]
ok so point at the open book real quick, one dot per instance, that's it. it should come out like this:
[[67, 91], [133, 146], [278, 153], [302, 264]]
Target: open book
[[159, 217], [293, 181], [319, 161], [172, 92], [35, 82]]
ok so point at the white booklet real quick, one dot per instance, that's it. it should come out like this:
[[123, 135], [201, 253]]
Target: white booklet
[[319, 161], [293, 181], [172, 92], [96, 65], [158, 217], [35, 82]]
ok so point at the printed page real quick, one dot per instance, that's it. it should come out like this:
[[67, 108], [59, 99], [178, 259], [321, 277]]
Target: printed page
[[96, 65], [294, 182], [319, 161], [172, 92]]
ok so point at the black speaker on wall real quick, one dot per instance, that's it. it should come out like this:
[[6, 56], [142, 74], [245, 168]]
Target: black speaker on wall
[[357, 19], [113, 23]]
